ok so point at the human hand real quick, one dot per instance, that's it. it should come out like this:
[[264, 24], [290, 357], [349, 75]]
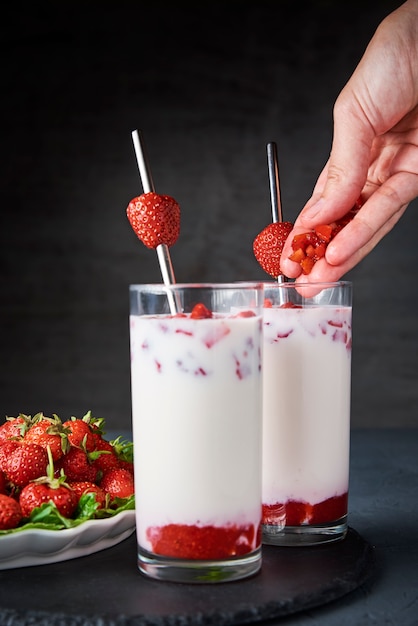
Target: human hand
[[374, 151]]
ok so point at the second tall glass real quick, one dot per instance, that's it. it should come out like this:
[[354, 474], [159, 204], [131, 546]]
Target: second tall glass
[[306, 412]]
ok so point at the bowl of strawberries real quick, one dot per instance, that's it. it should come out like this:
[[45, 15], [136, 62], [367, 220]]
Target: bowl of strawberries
[[65, 489]]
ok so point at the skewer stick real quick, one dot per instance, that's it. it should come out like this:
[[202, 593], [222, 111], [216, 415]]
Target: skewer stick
[[163, 252], [275, 197], [273, 168]]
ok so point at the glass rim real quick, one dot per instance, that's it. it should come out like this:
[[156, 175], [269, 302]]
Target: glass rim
[[322, 284], [208, 285]]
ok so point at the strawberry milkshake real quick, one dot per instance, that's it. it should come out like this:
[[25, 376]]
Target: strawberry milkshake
[[196, 409], [306, 412]]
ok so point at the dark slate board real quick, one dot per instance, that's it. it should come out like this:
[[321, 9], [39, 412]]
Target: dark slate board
[[106, 589]]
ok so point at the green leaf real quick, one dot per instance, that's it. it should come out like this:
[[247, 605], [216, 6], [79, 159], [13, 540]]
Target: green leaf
[[48, 517], [117, 506]]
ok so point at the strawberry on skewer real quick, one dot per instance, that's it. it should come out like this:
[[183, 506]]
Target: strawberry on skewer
[[269, 243], [268, 247], [308, 247], [155, 219]]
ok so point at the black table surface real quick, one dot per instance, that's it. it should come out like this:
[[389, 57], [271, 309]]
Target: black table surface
[[383, 514]]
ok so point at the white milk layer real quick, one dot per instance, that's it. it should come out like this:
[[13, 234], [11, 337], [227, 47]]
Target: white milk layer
[[306, 403], [196, 408]]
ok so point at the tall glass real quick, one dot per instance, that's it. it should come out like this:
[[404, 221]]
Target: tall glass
[[306, 412], [196, 409]]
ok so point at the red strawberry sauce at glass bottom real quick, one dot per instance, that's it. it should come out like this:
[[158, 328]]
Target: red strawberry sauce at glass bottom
[[294, 513], [203, 542]]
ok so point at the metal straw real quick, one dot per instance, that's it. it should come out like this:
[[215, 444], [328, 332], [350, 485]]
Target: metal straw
[[163, 252], [276, 203]]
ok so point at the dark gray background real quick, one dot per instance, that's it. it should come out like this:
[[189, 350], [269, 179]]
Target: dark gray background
[[209, 85]]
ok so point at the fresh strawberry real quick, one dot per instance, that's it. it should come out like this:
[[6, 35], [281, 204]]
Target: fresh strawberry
[[118, 482], [127, 465], [5, 451], [82, 487], [77, 466], [26, 462], [155, 219], [308, 248], [48, 488], [268, 246], [200, 312], [14, 428], [80, 434], [10, 512], [104, 456], [122, 451], [49, 431], [36, 493], [125, 453]]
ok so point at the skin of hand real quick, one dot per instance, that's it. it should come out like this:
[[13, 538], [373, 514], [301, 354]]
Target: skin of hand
[[374, 151]]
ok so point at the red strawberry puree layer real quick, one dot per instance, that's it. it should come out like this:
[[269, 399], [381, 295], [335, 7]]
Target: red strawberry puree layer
[[295, 513], [203, 542]]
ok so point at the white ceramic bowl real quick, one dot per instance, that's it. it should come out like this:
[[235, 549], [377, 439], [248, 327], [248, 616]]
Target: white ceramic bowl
[[38, 547]]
